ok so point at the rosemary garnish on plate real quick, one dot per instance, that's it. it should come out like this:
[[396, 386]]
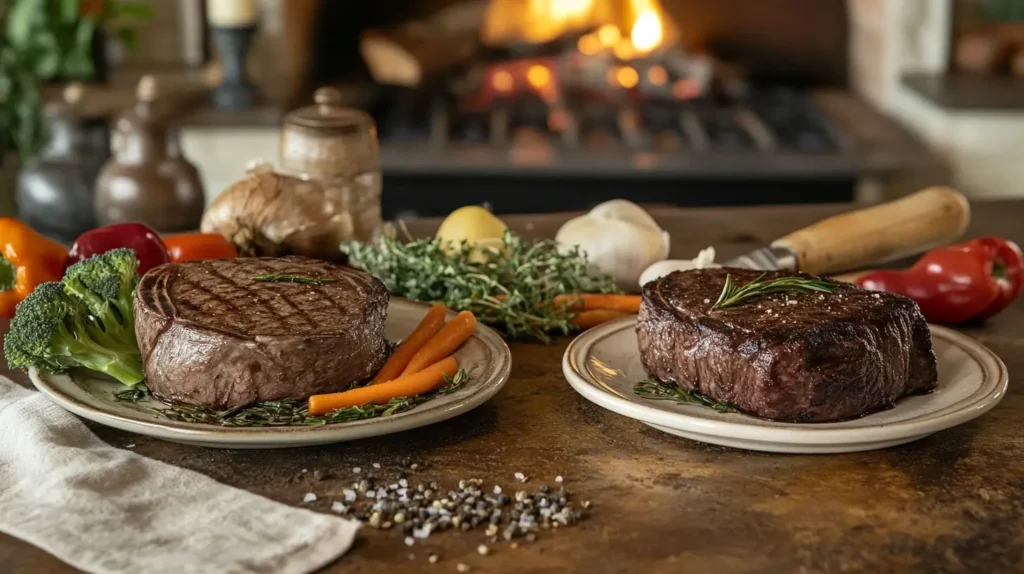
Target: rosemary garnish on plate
[[290, 278], [289, 412], [653, 389], [511, 288], [733, 294]]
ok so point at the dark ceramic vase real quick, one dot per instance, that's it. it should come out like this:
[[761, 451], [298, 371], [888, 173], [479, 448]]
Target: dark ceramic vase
[[55, 189], [148, 180]]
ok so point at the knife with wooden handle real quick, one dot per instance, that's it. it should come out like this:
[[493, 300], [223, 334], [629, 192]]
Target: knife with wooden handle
[[906, 226]]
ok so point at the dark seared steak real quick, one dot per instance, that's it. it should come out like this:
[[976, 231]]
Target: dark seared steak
[[212, 336], [808, 357]]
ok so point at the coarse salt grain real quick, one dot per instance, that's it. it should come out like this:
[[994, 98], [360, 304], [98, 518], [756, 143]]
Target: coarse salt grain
[[558, 478], [409, 541], [497, 489], [310, 497], [483, 550], [462, 567], [707, 300], [521, 477], [337, 507], [376, 465], [356, 469], [350, 495], [132, 445]]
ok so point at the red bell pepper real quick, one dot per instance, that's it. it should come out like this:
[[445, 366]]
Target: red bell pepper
[[972, 280], [149, 248]]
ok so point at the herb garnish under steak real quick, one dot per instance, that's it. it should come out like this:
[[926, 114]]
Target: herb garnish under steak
[[289, 412]]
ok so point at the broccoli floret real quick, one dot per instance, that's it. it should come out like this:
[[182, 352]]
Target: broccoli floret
[[55, 331], [106, 284]]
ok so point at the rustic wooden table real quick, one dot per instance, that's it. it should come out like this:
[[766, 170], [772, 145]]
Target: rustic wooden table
[[953, 502]]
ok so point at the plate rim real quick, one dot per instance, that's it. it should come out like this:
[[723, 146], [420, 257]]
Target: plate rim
[[993, 369], [199, 433]]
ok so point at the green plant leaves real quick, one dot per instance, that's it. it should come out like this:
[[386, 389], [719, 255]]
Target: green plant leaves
[[139, 10], [20, 21], [69, 10]]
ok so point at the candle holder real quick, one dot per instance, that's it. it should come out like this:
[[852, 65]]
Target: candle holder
[[235, 90]]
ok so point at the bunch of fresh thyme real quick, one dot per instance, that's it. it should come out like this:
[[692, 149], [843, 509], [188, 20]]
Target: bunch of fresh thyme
[[653, 389], [511, 289], [288, 412]]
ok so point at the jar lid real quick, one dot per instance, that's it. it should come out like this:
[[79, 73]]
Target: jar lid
[[329, 113]]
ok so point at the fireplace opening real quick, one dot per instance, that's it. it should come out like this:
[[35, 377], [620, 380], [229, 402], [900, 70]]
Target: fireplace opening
[[474, 96]]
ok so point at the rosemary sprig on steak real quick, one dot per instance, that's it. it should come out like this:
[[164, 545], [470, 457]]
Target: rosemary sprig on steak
[[654, 389], [510, 288], [289, 412], [733, 294], [289, 278]]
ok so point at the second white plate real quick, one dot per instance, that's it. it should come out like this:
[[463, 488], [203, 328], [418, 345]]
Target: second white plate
[[603, 365]]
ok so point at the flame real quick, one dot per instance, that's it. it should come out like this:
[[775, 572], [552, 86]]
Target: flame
[[629, 28], [647, 33]]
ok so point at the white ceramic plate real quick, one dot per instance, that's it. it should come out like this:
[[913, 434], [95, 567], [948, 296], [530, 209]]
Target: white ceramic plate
[[603, 365], [485, 357]]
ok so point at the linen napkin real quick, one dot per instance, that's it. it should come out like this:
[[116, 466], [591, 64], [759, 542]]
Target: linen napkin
[[106, 510]]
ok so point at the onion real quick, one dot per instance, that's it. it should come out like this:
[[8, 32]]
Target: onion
[[269, 214]]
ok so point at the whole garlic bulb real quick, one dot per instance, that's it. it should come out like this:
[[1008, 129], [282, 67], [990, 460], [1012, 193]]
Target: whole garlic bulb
[[619, 238]]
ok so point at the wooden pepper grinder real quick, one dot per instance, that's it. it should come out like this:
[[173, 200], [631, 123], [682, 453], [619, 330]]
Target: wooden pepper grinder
[[148, 180]]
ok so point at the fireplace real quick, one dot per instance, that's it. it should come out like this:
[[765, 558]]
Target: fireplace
[[534, 105]]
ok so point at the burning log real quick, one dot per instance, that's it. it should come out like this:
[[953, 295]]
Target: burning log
[[408, 55]]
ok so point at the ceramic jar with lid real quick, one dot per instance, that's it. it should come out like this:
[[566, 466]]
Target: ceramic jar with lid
[[55, 189], [148, 180], [337, 146]]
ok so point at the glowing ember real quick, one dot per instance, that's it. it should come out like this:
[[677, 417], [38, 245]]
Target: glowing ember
[[657, 75], [538, 76], [589, 45], [502, 81], [608, 35], [624, 76]]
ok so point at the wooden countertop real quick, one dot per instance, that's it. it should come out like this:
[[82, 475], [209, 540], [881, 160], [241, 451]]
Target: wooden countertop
[[953, 502]]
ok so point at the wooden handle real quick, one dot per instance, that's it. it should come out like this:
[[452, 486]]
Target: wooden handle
[[916, 223]]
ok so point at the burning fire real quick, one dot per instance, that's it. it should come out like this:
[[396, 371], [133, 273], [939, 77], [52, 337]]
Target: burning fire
[[629, 28]]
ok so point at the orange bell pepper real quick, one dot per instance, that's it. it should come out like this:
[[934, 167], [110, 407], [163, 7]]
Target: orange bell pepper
[[26, 260]]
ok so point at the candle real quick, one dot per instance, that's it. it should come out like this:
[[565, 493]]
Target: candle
[[232, 13]]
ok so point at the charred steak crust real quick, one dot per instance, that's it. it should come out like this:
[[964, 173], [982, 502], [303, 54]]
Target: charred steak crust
[[212, 336], [804, 357]]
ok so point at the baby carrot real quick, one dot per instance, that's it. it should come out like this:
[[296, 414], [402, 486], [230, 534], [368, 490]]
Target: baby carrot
[[594, 317], [444, 343], [592, 301], [426, 380], [427, 328]]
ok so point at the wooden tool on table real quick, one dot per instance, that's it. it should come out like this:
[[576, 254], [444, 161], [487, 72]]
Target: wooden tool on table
[[869, 236]]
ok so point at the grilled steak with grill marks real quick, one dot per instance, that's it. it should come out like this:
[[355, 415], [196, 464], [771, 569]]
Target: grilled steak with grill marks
[[210, 335], [790, 356]]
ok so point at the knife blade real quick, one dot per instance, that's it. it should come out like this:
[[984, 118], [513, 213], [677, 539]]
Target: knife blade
[[856, 239]]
